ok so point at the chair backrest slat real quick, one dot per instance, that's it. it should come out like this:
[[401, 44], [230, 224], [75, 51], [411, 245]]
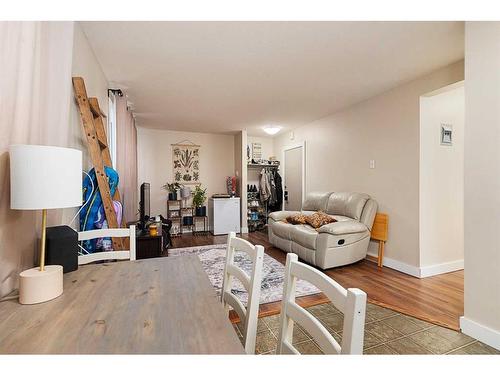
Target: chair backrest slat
[[108, 255], [240, 275], [243, 245], [236, 304], [333, 290], [315, 329], [100, 233], [95, 257], [352, 302], [288, 349], [248, 315]]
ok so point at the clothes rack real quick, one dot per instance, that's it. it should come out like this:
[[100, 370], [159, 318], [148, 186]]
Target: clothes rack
[[258, 208]]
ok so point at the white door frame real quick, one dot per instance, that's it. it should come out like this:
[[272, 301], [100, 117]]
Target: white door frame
[[291, 147]]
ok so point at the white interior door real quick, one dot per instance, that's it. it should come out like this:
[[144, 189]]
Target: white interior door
[[293, 178]]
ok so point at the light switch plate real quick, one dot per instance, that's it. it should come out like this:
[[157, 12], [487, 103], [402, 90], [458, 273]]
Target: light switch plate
[[372, 164]]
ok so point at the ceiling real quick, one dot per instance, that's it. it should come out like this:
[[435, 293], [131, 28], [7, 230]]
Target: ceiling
[[228, 76]]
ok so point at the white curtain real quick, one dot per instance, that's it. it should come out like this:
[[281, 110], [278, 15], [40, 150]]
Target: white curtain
[[35, 94], [126, 158]]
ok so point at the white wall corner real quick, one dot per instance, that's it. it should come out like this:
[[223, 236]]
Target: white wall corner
[[399, 266], [421, 272], [479, 332], [437, 269]]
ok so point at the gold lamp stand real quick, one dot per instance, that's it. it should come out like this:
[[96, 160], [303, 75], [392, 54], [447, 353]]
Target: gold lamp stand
[[42, 283]]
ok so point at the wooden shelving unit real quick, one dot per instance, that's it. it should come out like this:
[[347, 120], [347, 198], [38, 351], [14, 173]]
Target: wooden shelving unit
[[196, 221], [187, 212], [255, 165], [256, 212], [174, 214]]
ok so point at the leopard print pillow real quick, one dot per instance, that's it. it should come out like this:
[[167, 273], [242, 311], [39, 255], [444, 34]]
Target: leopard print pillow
[[318, 219], [296, 219]]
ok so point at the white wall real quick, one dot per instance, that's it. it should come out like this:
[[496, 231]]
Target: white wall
[[482, 182], [267, 145], [384, 128], [442, 182], [154, 161], [240, 154], [85, 65]]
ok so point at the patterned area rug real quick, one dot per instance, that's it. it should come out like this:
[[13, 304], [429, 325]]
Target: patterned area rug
[[213, 258]]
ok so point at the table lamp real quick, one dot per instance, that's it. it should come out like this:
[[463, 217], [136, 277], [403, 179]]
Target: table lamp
[[43, 178]]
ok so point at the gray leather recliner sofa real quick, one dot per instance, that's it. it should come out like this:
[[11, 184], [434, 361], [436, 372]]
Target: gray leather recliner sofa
[[332, 245]]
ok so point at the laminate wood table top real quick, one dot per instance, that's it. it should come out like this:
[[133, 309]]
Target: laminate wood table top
[[150, 306]]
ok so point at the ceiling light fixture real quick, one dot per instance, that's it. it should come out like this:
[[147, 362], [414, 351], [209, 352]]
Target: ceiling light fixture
[[272, 130]]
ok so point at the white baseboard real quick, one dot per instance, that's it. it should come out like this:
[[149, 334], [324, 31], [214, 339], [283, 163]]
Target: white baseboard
[[399, 266], [421, 272], [437, 269], [479, 332], [244, 229]]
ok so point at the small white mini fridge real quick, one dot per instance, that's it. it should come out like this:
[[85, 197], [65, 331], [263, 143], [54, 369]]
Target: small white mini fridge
[[224, 215]]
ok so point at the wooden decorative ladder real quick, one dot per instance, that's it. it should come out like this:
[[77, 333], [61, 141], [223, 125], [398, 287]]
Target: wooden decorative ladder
[[100, 156]]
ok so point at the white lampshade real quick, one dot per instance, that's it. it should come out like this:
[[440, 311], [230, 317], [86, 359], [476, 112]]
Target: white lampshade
[[45, 177]]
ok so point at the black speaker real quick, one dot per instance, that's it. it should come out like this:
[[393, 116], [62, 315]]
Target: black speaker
[[61, 247]]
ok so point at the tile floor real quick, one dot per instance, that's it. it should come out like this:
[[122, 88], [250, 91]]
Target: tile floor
[[386, 332]]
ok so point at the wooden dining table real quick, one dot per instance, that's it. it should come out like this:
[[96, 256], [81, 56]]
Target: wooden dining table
[[150, 306]]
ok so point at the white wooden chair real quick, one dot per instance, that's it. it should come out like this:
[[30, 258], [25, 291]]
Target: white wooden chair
[[248, 315], [108, 255], [351, 302]]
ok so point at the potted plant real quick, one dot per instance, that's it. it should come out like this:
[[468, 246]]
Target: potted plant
[[172, 190], [199, 198]]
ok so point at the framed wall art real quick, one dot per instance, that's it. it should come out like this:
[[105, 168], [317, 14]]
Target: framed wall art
[[186, 163], [257, 152]]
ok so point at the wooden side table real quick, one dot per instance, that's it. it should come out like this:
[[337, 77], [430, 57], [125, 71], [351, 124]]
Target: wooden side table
[[379, 233]]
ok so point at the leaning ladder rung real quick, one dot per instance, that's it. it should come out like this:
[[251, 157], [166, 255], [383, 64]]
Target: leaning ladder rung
[[95, 136], [98, 124], [94, 107]]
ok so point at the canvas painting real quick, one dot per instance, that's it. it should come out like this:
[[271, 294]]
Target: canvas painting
[[186, 164]]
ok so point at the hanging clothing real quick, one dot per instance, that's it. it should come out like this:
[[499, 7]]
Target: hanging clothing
[[276, 206], [272, 197], [264, 186], [279, 192]]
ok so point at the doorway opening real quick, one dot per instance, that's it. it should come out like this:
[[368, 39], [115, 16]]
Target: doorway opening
[[294, 179], [441, 187]]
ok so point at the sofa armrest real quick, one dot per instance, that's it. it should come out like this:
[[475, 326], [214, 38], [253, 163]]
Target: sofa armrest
[[369, 212], [343, 227], [281, 215]]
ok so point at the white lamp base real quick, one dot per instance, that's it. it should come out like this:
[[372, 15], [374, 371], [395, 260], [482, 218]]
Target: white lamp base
[[37, 286]]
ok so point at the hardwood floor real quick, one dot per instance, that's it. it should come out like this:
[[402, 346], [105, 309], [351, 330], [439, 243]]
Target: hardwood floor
[[436, 299]]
